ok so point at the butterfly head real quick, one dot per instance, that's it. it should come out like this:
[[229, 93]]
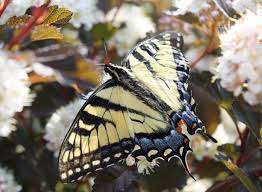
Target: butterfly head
[[116, 71]]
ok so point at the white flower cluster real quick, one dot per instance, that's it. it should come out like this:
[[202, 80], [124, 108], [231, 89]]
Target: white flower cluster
[[85, 12], [7, 181], [242, 5], [198, 7], [136, 25], [192, 6], [59, 124], [15, 91], [196, 186], [240, 66], [201, 8]]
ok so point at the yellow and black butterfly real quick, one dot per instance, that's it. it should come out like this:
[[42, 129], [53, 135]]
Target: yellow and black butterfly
[[145, 109]]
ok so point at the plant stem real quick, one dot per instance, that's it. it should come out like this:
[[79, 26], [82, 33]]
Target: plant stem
[[233, 181], [3, 6], [245, 156], [209, 48], [38, 12]]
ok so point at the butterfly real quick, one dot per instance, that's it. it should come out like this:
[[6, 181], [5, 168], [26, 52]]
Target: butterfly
[[145, 110]]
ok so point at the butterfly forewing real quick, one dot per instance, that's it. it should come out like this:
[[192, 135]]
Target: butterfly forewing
[[107, 129]]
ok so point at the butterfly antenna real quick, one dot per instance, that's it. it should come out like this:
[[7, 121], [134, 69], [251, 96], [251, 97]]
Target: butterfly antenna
[[201, 132], [106, 59]]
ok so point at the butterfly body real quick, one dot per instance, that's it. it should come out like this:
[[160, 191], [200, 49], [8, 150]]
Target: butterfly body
[[144, 111]]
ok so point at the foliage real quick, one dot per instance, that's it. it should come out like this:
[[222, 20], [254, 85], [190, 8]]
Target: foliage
[[64, 62]]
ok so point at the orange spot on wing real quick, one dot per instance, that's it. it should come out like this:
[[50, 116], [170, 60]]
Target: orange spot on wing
[[194, 125], [181, 123], [179, 129]]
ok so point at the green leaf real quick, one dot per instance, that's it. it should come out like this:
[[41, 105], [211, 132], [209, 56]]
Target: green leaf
[[85, 187], [207, 109], [16, 22], [59, 187], [230, 150], [102, 31], [249, 116], [60, 16], [210, 169], [117, 178], [236, 107], [6, 34], [43, 32], [241, 175], [167, 175]]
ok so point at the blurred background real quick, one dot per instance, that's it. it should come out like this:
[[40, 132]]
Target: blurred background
[[52, 55]]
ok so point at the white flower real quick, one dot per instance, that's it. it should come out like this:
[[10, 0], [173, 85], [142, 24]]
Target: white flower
[[226, 132], [84, 12], [137, 24], [59, 124], [70, 33], [7, 125], [242, 5], [7, 181], [240, 66], [15, 91], [193, 6], [200, 149], [197, 186], [42, 70]]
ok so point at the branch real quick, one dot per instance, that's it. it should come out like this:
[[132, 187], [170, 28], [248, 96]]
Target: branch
[[245, 156], [209, 48], [37, 13], [3, 6], [233, 181]]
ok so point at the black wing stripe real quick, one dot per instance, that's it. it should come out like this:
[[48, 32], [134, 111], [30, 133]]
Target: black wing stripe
[[154, 45], [150, 50], [98, 101]]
